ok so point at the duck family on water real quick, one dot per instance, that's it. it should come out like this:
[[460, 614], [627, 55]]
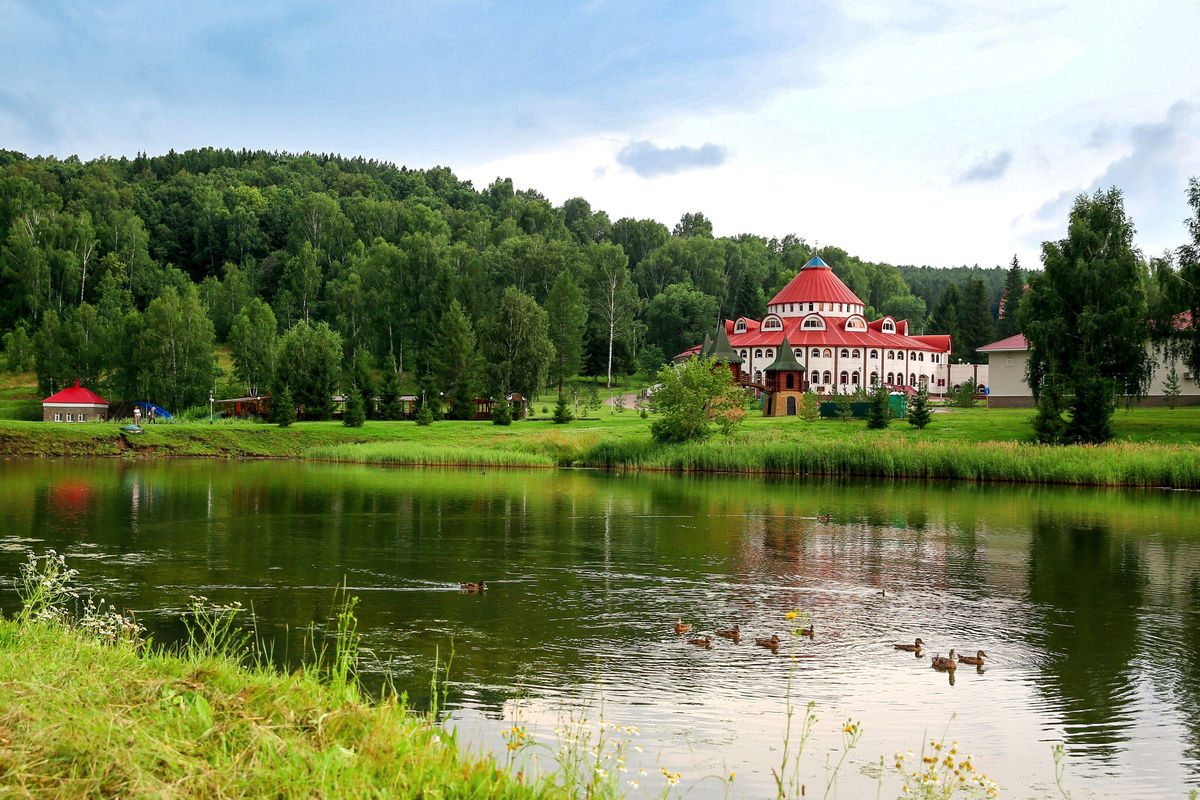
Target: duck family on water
[[945, 663]]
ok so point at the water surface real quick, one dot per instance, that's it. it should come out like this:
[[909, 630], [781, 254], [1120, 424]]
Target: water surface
[[1085, 600]]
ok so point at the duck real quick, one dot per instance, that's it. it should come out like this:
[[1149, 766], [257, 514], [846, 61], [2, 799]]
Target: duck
[[772, 643], [915, 647], [473, 587], [807, 631], [731, 633], [701, 641], [944, 662], [681, 626], [976, 660]]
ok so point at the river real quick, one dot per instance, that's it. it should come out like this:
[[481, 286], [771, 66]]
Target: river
[[1086, 601]]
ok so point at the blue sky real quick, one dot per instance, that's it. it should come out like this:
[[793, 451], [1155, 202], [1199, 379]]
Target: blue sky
[[911, 132]]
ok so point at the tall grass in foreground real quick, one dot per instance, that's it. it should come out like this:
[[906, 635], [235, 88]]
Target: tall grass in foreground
[[1118, 464], [408, 453]]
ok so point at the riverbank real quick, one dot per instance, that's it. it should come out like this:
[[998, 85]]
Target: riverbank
[[83, 719], [1155, 447]]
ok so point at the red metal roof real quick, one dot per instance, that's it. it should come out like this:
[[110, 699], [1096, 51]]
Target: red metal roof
[[1017, 342], [77, 395], [816, 283], [833, 336]]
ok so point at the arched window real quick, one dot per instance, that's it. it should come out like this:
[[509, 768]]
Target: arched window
[[816, 353], [891, 378], [791, 381], [739, 326], [816, 377], [772, 324], [855, 353], [874, 354], [921, 356], [744, 354], [854, 377], [758, 376], [845, 377], [758, 353], [874, 378], [770, 353], [845, 353], [827, 377], [888, 326], [828, 353], [912, 379], [799, 353], [814, 323]]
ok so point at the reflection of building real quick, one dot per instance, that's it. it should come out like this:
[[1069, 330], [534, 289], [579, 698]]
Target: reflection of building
[[1008, 358], [76, 404], [834, 346]]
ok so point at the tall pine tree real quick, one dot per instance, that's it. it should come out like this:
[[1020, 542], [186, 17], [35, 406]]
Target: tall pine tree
[[975, 320], [568, 319], [1014, 290], [457, 362], [944, 318]]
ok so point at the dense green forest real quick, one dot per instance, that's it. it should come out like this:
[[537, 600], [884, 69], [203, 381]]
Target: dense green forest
[[328, 271]]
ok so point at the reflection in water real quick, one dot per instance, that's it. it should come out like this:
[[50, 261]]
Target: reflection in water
[[1085, 601]]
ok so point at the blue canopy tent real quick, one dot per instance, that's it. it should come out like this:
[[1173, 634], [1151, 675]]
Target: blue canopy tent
[[148, 407]]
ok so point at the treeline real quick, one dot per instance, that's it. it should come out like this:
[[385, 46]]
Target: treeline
[[322, 271]]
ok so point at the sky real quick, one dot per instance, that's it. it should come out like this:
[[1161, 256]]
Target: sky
[[907, 132]]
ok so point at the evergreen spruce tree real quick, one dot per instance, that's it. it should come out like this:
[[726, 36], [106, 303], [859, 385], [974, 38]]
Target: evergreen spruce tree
[[1049, 427], [1171, 388], [844, 409], [975, 321], [945, 317], [283, 407], [562, 412], [457, 362], [355, 414], [919, 412], [810, 407], [424, 414], [389, 399], [1014, 290], [880, 415], [501, 412]]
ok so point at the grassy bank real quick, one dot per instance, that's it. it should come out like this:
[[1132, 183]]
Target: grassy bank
[[1155, 447]]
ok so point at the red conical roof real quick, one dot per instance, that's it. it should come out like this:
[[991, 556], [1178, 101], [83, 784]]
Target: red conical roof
[[76, 395], [816, 283]]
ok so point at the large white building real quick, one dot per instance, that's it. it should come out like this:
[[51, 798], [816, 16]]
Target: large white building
[[838, 348], [1008, 359]]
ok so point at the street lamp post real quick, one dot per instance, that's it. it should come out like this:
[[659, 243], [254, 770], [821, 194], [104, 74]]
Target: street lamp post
[[210, 406]]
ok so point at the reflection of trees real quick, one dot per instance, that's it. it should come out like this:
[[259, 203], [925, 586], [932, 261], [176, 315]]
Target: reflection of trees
[[1091, 589]]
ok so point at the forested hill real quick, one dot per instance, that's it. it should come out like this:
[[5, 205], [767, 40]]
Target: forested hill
[[380, 252]]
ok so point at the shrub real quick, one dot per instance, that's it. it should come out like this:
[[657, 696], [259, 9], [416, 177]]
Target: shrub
[[502, 412], [810, 407], [562, 412], [356, 413], [880, 415], [964, 395], [844, 410], [424, 415], [919, 413], [691, 397], [283, 407]]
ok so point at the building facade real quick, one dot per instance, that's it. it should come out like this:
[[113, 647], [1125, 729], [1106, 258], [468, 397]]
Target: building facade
[[76, 404], [1009, 358], [836, 349]]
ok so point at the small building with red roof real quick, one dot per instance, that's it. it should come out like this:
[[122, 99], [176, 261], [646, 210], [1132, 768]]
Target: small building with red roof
[[837, 349], [75, 404]]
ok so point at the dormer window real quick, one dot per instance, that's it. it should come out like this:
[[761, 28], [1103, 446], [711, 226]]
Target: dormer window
[[739, 326], [772, 324], [888, 326], [813, 322]]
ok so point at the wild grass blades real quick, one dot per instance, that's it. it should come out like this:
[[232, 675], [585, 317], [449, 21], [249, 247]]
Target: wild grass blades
[[400, 453], [851, 733], [786, 783], [213, 630], [941, 774], [1059, 753], [439, 683], [44, 587]]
